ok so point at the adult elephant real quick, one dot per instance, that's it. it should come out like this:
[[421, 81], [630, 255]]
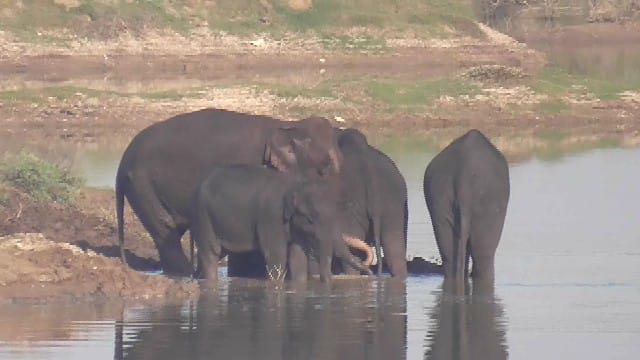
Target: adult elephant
[[466, 188], [375, 204], [164, 163]]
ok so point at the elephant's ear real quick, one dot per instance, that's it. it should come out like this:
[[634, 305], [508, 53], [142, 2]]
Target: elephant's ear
[[279, 151]]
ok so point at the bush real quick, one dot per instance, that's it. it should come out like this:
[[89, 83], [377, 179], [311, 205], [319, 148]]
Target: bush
[[40, 179]]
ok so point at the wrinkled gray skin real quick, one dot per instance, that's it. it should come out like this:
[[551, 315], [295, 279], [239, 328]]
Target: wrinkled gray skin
[[466, 188], [240, 208], [375, 202], [164, 163]]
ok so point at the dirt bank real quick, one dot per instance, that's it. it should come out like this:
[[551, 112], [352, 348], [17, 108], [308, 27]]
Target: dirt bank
[[33, 267], [50, 250], [90, 225]]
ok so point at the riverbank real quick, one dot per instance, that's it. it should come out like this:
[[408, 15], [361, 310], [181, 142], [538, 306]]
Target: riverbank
[[434, 91]]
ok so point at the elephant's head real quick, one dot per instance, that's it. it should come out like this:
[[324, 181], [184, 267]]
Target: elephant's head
[[310, 211], [308, 145]]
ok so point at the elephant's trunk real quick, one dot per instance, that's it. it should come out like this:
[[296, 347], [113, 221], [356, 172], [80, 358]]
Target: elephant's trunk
[[358, 244]]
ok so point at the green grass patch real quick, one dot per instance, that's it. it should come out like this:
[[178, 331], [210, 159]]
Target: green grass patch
[[321, 90], [557, 81], [91, 18], [40, 179], [165, 95], [42, 94], [367, 44], [416, 94], [99, 18]]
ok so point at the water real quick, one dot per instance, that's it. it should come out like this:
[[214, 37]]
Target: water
[[567, 287]]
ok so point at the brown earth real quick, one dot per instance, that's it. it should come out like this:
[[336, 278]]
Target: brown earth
[[33, 267], [90, 225], [49, 250]]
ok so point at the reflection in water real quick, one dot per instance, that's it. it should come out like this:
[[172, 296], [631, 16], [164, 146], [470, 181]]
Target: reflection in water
[[469, 326], [256, 320]]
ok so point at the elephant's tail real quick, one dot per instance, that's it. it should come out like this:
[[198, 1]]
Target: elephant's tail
[[120, 214]]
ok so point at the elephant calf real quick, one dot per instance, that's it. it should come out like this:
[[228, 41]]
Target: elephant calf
[[240, 208], [466, 188]]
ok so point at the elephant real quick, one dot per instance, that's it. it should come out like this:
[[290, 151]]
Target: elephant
[[375, 204], [373, 208], [240, 208], [466, 189], [164, 163]]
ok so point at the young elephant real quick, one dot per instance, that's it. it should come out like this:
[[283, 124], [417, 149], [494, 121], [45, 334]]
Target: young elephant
[[240, 208], [466, 188]]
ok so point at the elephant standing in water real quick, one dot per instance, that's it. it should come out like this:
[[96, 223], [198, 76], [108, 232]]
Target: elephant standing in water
[[466, 188], [373, 210], [164, 163], [375, 205], [239, 208]]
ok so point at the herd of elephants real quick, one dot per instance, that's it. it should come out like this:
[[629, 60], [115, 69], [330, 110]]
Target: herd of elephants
[[307, 198]]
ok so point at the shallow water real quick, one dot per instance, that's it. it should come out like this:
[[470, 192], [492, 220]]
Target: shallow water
[[567, 287]]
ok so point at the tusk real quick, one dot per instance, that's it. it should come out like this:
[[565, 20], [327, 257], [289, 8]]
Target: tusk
[[358, 244]]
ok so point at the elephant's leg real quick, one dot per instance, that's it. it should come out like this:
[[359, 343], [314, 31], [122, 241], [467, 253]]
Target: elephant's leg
[[483, 244], [208, 258], [161, 226], [208, 243], [395, 251], [448, 238], [298, 264], [313, 268]]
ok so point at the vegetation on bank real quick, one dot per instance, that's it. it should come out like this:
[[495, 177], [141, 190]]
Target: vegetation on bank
[[332, 20], [38, 178]]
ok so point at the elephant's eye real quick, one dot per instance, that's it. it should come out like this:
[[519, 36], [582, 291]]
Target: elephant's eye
[[308, 218]]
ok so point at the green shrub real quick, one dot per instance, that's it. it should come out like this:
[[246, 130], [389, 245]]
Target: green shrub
[[40, 179]]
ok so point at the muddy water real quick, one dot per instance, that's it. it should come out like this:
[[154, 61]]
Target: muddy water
[[567, 286]]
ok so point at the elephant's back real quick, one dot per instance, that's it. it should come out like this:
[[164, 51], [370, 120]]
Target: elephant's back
[[207, 129], [174, 155]]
